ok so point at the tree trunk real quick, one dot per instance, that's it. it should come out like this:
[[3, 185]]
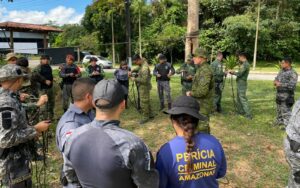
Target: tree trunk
[[192, 27]]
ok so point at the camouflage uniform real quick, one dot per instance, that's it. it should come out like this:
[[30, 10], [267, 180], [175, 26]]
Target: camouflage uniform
[[292, 147], [15, 133], [285, 95], [219, 74], [241, 80], [203, 91], [143, 82], [186, 70]]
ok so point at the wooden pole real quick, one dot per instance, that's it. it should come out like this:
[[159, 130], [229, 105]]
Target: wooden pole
[[140, 33], [78, 54], [113, 40], [11, 40], [45, 40], [256, 36]]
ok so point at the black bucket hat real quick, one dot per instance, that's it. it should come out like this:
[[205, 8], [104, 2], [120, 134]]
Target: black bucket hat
[[186, 105]]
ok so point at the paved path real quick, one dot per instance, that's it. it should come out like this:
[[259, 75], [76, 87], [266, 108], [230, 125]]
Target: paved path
[[252, 75]]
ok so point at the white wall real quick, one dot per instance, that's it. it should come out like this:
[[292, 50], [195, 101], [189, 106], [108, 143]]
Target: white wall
[[22, 35], [22, 47]]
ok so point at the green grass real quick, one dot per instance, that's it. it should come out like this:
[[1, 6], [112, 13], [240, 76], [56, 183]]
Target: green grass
[[253, 148]]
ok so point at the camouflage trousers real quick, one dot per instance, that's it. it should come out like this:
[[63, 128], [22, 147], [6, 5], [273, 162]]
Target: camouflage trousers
[[293, 160], [186, 86], [242, 101], [163, 87], [145, 102], [283, 114], [47, 110], [206, 109], [218, 96], [67, 96]]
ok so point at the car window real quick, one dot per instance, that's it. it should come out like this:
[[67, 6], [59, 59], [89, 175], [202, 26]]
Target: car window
[[88, 57], [101, 58]]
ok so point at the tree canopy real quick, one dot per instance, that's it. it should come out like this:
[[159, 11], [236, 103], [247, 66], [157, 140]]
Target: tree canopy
[[224, 25]]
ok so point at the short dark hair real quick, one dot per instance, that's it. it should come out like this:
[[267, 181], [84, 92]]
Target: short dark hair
[[45, 56], [136, 57], [23, 62], [243, 54], [81, 87], [287, 59]]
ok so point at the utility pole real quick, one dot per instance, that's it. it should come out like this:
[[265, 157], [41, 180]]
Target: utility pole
[[113, 40], [191, 42], [140, 33], [256, 36], [128, 32]]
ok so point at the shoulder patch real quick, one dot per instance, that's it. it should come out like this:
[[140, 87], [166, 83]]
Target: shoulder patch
[[6, 118]]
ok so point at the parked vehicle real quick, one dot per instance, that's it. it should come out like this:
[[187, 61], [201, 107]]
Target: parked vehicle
[[100, 61]]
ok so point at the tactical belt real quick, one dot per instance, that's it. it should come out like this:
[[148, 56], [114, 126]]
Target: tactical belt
[[20, 179]]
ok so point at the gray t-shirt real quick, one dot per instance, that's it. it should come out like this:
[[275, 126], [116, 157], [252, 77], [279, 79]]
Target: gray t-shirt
[[104, 155]]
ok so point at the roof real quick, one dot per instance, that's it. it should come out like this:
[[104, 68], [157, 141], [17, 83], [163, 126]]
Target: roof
[[28, 27]]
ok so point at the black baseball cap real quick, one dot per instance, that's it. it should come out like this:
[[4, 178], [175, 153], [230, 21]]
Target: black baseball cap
[[287, 59], [186, 105], [45, 56], [110, 91], [93, 59]]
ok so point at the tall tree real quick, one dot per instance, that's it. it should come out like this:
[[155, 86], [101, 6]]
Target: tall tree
[[191, 41]]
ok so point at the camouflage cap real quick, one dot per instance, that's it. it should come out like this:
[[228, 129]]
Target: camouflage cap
[[10, 55], [11, 71], [200, 52]]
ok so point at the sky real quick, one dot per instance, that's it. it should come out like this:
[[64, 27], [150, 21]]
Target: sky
[[42, 11]]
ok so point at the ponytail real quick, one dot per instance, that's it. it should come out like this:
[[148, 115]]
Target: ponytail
[[189, 125]]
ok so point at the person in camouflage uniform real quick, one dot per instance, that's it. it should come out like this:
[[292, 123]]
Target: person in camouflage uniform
[[292, 147], [15, 132], [43, 74], [219, 74], [241, 80], [203, 87], [143, 81], [285, 83], [28, 95], [187, 72]]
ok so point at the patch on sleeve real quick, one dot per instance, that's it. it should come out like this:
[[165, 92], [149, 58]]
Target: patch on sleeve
[[6, 120], [69, 133]]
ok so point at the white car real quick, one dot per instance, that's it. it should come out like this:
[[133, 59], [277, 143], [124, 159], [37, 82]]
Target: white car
[[100, 61]]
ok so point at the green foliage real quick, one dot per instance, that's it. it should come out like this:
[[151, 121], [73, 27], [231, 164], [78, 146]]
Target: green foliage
[[230, 62]]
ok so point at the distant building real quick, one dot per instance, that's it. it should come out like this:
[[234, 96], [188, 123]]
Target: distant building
[[24, 38]]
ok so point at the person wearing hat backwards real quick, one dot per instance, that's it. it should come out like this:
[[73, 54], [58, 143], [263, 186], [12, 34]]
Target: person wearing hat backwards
[[241, 80], [11, 58], [95, 71], [163, 72], [143, 82], [219, 74], [187, 72], [69, 72], [203, 86], [191, 159], [105, 155], [15, 132], [44, 76], [285, 84]]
